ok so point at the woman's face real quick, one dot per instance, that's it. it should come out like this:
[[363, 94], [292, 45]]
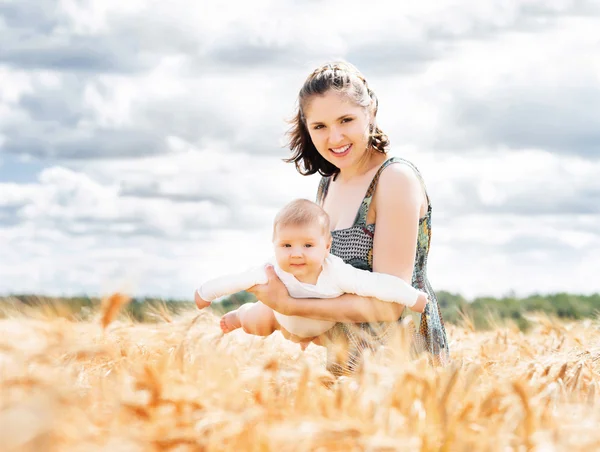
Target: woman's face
[[339, 128]]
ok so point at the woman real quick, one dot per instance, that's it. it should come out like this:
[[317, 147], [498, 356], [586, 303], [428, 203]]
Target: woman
[[380, 216]]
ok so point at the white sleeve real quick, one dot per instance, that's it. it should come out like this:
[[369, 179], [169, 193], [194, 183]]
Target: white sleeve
[[379, 285], [230, 284]]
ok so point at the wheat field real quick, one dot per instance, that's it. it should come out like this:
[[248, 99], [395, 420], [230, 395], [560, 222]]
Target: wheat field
[[109, 384]]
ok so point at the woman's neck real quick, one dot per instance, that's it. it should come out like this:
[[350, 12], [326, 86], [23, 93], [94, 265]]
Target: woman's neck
[[370, 161]]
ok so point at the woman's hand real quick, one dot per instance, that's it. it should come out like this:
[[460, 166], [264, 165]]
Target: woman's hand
[[273, 294]]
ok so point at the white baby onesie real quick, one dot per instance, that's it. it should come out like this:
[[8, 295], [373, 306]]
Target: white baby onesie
[[335, 279]]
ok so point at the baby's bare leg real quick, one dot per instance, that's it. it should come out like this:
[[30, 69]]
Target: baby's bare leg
[[258, 320], [254, 318]]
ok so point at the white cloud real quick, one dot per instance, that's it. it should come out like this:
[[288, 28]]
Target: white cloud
[[161, 128]]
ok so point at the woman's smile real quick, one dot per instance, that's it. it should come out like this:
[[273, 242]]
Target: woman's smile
[[341, 151]]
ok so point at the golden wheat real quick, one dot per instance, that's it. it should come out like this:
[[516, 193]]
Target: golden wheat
[[180, 385]]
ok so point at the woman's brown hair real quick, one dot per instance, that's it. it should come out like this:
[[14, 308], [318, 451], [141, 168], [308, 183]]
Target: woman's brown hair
[[338, 76]]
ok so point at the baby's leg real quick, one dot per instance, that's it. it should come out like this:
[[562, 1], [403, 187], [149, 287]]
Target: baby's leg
[[254, 318], [259, 320]]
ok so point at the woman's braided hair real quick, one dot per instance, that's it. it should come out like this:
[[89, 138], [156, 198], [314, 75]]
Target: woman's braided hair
[[342, 77]]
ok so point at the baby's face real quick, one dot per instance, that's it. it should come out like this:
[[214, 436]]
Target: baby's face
[[301, 250]]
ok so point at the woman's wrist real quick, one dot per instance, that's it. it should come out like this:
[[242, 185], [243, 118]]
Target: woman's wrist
[[290, 306]]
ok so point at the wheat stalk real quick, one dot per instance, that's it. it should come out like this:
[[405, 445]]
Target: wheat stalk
[[110, 307]]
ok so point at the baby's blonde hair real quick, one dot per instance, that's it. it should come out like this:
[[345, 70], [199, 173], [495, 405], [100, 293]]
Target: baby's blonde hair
[[302, 212]]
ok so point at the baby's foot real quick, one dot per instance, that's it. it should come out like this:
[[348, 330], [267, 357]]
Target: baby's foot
[[304, 344], [230, 321]]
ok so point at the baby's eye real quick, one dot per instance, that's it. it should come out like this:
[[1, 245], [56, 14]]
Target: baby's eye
[[347, 120], [287, 245], [308, 245]]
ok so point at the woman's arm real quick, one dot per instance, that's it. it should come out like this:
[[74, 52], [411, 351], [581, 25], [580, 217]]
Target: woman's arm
[[348, 308], [398, 210], [397, 203]]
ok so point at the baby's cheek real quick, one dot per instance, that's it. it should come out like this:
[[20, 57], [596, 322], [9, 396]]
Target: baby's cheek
[[280, 258]]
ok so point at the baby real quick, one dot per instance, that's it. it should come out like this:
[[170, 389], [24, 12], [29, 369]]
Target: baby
[[302, 240]]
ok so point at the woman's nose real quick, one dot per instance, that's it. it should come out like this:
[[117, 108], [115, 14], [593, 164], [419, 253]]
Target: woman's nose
[[335, 136]]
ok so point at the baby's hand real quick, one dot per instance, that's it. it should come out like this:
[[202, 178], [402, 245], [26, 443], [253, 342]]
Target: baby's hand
[[422, 301], [201, 303]]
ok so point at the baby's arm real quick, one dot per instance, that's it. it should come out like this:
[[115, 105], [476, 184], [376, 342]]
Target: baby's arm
[[379, 285], [229, 284]]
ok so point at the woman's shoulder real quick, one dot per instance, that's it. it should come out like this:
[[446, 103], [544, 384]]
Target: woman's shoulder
[[399, 174]]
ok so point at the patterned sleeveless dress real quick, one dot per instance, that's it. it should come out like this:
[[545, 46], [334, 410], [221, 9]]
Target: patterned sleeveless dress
[[355, 246]]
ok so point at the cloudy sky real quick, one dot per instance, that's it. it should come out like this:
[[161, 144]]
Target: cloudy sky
[[141, 141]]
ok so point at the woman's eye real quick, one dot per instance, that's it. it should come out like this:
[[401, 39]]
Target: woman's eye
[[347, 119], [320, 126]]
